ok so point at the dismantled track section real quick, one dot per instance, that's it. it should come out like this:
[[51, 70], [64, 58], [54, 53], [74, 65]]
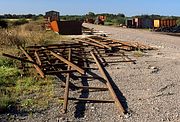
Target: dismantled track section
[[74, 59]]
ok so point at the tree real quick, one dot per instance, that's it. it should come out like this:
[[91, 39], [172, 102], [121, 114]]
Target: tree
[[178, 22], [120, 15], [91, 15]]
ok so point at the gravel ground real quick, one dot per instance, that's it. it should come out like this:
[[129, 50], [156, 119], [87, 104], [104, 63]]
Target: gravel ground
[[150, 87]]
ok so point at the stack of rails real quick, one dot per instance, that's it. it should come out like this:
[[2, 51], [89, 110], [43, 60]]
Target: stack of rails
[[71, 59]]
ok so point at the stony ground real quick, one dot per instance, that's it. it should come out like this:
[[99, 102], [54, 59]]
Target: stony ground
[[150, 87]]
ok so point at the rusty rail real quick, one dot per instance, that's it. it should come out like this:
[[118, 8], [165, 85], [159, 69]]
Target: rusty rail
[[89, 100], [73, 61], [113, 94], [38, 58], [38, 69], [80, 70], [91, 43], [17, 58], [107, 46], [66, 93]]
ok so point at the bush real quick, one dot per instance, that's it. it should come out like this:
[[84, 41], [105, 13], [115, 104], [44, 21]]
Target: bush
[[11, 38], [5, 62], [3, 24], [8, 74], [5, 103], [20, 22], [178, 22], [118, 21]]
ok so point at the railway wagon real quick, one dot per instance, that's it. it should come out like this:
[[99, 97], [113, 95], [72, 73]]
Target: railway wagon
[[67, 27], [139, 23], [129, 23], [54, 23], [164, 23]]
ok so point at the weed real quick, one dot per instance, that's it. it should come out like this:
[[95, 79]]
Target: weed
[[8, 76], [5, 102], [3, 24], [27, 103], [31, 92], [28, 34], [20, 22], [138, 53], [6, 63]]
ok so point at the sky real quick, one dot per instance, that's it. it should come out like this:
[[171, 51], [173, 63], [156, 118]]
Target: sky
[[81, 7]]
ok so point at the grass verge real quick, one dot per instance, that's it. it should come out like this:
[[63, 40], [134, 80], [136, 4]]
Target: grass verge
[[23, 93], [138, 53]]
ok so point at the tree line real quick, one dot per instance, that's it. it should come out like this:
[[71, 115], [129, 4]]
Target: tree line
[[111, 19], [16, 16]]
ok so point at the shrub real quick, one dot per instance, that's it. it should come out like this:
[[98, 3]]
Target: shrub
[[8, 74], [20, 22], [118, 21], [3, 24], [5, 62], [11, 38], [5, 103], [178, 22], [8, 77]]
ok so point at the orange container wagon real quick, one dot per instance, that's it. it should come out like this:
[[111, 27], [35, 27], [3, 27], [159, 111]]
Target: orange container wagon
[[54, 26], [67, 27]]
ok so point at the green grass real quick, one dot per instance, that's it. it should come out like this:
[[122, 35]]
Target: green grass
[[25, 93], [8, 76], [138, 53], [30, 92], [108, 23], [28, 34]]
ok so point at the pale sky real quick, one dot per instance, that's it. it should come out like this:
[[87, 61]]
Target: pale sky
[[79, 7]]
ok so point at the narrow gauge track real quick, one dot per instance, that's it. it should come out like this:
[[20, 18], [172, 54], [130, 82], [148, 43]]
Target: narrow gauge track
[[74, 59]]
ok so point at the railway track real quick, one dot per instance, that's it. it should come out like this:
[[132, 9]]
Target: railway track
[[77, 60]]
